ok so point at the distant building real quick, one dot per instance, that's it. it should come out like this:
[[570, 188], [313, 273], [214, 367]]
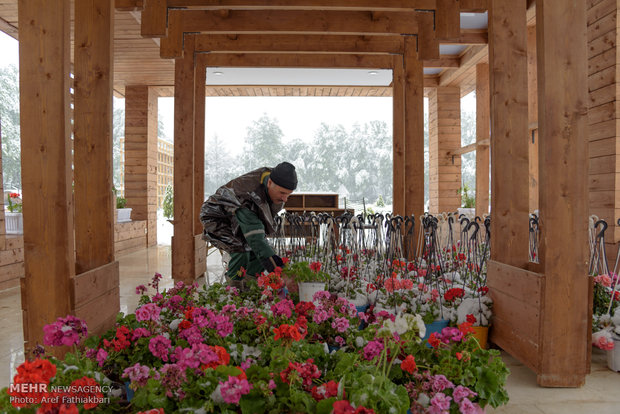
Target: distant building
[[165, 168]]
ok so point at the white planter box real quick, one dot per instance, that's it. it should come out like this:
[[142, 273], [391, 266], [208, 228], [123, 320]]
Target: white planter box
[[14, 223], [123, 215]]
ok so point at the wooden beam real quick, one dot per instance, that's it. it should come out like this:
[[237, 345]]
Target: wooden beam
[[469, 148], [414, 130], [183, 263], [532, 118], [473, 6], [297, 60], [9, 29], [46, 165], [470, 58], [199, 144], [154, 19], [427, 44], [444, 61], [299, 43], [298, 21], [94, 212], [444, 137], [483, 124], [508, 74], [393, 5], [472, 37], [448, 20], [128, 5], [563, 119], [398, 142]]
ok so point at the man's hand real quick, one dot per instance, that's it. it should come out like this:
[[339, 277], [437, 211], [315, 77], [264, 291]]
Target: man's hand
[[272, 262]]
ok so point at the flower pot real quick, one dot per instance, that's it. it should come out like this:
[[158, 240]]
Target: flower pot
[[613, 356], [435, 326], [128, 391], [123, 215], [361, 309], [14, 223], [308, 289], [481, 333]]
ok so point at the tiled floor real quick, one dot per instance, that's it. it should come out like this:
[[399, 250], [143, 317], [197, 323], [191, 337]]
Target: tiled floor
[[600, 394]]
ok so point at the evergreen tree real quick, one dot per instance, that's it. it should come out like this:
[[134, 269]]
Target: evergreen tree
[[263, 144], [168, 203], [9, 127]]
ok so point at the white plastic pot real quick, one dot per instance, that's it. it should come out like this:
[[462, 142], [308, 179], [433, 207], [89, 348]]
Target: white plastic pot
[[308, 289]]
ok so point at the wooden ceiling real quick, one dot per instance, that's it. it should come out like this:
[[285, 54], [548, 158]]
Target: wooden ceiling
[[235, 29]]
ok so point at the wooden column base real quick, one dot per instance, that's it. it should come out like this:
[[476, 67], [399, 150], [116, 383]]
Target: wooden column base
[[96, 297]]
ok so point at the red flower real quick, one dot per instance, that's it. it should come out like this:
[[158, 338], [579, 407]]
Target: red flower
[[315, 267], [286, 331], [184, 325], [285, 260], [303, 308], [471, 319], [453, 293], [483, 289], [466, 328], [408, 364], [459, 356], [153, 411], [327, 390], [223, 358], [433, 340], [343, 407], [14, 195], [86, 383]]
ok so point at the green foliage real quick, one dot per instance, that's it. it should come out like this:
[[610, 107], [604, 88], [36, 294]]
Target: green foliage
[[380, 202], [301, 272], [168, 203], [121, 202], [467, 200]]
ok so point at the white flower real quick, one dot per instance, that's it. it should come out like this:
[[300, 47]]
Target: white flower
[[174, 325], [216, 395]]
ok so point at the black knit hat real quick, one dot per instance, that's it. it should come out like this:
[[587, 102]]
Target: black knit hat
[[284, 175]]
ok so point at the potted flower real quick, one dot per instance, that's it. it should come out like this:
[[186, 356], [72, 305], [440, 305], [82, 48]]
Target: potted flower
[[13, 215], [123, 213], [309, 278], [477, 311]]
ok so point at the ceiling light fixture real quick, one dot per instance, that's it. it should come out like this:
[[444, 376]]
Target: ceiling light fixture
[[218, 73], [373, 72]]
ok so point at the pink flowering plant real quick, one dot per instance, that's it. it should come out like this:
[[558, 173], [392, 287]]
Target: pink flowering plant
[[334, 319], [454, 374], [605, 314]]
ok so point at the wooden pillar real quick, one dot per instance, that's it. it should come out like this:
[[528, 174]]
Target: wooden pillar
[[183, 254], [398, 142], [603, 119], [96, 284], [444, 137], [532, 117], [414, 131], [141, 156], [44, 83], [199, 168], [94, 220], [562, 117], [509, 134], [483, 124]]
